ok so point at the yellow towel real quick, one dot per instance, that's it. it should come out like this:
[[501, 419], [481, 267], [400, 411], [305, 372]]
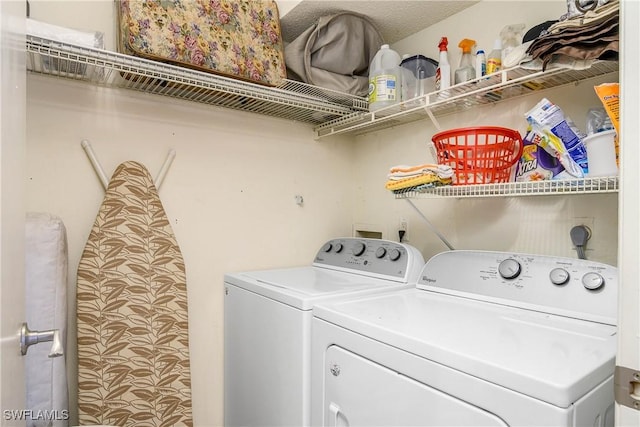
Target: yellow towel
[[395, 185]]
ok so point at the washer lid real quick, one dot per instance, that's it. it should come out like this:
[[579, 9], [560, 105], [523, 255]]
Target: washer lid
[[552, 358], [302, 287]]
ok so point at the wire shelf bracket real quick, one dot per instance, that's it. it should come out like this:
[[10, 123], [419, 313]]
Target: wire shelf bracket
[[97, 167]]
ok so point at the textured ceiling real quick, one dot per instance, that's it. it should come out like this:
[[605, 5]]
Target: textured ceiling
[[395, 19]]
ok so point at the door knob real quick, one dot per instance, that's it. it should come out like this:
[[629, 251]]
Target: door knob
[[29, 338]]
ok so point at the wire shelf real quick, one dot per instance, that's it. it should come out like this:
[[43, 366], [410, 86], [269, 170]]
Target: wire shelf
[[291, 100], [331, 112], [507, 84], [551, 187]]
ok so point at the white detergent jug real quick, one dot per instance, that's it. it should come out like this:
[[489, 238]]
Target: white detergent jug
[[384, 79]]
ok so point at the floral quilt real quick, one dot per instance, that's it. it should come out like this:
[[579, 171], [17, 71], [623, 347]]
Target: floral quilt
[[235, 38]]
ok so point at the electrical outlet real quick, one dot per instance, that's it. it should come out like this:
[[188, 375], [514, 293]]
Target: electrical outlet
[[402, 230]]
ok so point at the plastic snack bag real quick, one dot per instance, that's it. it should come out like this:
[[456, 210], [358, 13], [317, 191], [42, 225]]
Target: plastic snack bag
[[552, 160], [558, 135], [609, 94]]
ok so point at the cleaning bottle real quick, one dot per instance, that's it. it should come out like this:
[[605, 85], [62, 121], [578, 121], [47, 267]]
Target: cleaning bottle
[[443, 73], [384, 79], [466, 71], [494, 60], [481, 64]]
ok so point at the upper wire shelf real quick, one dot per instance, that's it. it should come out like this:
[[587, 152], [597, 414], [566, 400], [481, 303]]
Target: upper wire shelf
[[550, 187], [506, 84], [331, 112], [292, 100]]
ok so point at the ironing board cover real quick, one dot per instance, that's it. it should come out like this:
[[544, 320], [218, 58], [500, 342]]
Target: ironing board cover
[[133, 348]]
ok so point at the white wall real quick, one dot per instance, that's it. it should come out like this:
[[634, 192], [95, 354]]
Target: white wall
[[537, 224], [230, 192], [285, 6], [85, 15]]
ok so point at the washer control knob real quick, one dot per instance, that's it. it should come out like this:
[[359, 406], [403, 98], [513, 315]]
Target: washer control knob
[[359, 248], [559, 276], [395, 254], [381, 252], [592, 281], [338, 247], [509, 268], [327, 247]]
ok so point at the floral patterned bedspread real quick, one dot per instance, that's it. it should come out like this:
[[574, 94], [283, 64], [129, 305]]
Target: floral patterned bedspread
[[235, 38]]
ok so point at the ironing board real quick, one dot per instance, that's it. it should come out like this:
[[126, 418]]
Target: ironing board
[[133, 347]]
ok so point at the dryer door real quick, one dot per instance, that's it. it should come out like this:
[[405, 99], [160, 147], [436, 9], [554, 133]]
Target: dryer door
[[359, 392]]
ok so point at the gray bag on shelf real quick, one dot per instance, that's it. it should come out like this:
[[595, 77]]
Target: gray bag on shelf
[[335, 53]]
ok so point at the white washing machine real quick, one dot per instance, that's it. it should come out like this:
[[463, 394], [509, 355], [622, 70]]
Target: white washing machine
[[485, 339], [267, 315]]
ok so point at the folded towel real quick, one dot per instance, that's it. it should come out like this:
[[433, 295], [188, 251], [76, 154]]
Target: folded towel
[[407, 183], [402, 171], [583, 38], [402, 177], [63, 34]]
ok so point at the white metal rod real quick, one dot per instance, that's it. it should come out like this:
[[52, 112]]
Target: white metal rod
[[431, 226], [165, 168], [435, 121], [95, 163]]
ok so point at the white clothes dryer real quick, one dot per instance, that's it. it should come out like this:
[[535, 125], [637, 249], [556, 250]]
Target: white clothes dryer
[[267, 324], [485, 339]]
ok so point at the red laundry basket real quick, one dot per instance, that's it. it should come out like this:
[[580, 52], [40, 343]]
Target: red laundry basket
[[479, 155]]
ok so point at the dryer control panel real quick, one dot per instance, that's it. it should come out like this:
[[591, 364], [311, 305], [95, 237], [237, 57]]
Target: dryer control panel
[[566, 286], [371, 257]]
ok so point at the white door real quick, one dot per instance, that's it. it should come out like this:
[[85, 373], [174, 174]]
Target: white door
[[629, 226], [12, 211], [360, 392]]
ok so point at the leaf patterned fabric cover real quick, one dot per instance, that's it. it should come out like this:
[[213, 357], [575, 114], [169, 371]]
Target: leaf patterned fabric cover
[[133, 347], [236, 38]]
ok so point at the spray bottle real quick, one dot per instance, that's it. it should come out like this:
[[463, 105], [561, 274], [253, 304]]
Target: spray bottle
[[443, 73], [481, 64], [466, 71]]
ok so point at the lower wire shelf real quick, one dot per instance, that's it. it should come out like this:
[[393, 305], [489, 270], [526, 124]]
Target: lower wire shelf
[[593, 185]]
